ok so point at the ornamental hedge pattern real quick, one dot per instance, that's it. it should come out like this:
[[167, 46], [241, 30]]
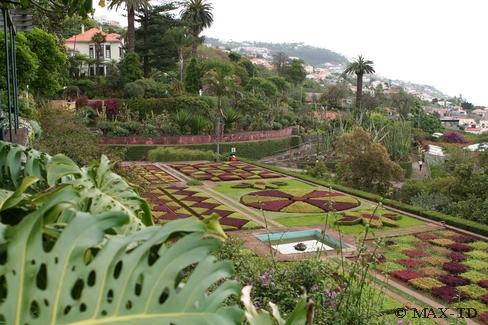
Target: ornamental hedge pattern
[[299, 201], [450, 266], [224, 171], [179, 202], [149, 174]]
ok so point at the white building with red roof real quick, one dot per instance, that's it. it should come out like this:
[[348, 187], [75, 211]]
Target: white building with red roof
[[113, 49]]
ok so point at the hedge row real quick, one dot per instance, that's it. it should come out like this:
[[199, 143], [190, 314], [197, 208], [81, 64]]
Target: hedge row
[[468, 225], [163, 154], [249, 149], [147, 106]]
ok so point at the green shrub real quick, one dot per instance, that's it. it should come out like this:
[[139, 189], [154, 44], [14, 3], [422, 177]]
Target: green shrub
[[473, 291], [480, 255], [178, 154], [407, 168], [425, 283], [118, 131], [146, 106], [249, 149], [388, 267], [473, 276], [133, 89]]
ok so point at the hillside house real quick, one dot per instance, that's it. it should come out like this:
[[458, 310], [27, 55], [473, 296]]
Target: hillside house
[[112, 50]]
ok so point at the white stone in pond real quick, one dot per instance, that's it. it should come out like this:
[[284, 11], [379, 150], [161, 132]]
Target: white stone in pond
[[312, 246]]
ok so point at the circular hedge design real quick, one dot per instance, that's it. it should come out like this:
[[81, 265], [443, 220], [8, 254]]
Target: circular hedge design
[[299, 201]]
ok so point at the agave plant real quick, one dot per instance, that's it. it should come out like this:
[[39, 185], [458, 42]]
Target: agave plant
[[199, 123], [231, 117], [182, 119]]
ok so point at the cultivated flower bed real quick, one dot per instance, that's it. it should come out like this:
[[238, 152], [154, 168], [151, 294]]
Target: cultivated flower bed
[[449, 266], [299, 201], [225, 171], [149, 174], [175, 202], [377, 220]]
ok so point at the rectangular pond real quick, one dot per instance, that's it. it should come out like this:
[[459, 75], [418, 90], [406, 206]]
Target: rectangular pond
[[303, 241]]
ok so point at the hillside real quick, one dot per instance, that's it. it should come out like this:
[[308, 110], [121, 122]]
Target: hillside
[[311, 55]]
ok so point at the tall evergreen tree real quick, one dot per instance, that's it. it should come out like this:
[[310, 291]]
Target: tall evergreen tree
[[131, 6]]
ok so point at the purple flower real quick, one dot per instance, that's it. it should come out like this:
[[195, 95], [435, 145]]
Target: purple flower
[[265, 278]]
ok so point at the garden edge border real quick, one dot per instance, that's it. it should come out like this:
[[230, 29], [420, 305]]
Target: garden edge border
[[447, 220]]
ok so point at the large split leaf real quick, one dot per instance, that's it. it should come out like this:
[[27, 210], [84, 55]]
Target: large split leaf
[[100, 189], [18, 162], [153, 276]]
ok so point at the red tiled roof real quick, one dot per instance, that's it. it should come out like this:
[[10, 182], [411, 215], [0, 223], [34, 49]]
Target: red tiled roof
[[87, 36]]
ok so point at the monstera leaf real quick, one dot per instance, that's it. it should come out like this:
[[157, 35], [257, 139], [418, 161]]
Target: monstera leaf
[[17, 162], [100, 190], [157, 275]]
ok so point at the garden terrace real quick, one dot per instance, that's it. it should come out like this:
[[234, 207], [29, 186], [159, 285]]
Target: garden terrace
[[225, 171], [447, 265]]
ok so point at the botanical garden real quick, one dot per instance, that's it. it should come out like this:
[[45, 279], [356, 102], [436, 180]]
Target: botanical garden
[[184, 184]]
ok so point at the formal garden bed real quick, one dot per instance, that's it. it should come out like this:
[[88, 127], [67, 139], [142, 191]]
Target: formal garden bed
[[447, 265], [148, 174], [177, 202], [299, 201], [224, 171], [291, 193]]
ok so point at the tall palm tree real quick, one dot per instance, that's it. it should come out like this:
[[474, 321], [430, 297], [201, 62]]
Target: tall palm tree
[[360, 67], [99, 38], [197, 14], [131, 6]]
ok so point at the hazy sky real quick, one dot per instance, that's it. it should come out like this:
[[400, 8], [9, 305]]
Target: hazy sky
[[437, 42]]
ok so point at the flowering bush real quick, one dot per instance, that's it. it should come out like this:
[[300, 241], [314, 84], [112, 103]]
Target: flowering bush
[[453, 137], [406, 275], [410, 263], [95, 104], [473, 291], [456, 256], [483, 317], [414, 253], [438, 250], [81, 101], [395, 255], [112, 107], [450, 294], [425, 283], [454, 267], [453, 280], [422, 244], [407, 239]]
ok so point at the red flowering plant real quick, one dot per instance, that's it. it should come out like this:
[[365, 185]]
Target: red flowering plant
[[457, 256], [463, 239], [447, 293], [112, 107], [453, 137], [454, 280], [460, 247], [454, 267], [483, 283], [425, 236], [410, 263], [406, 275]]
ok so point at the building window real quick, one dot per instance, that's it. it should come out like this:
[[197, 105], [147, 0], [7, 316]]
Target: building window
[[108, 51], [92, 52], [92, 71], [121, 52]]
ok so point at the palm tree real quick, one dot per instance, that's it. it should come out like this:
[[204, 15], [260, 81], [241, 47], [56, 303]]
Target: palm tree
[[360, 67], [197, 14], [131, 7]]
